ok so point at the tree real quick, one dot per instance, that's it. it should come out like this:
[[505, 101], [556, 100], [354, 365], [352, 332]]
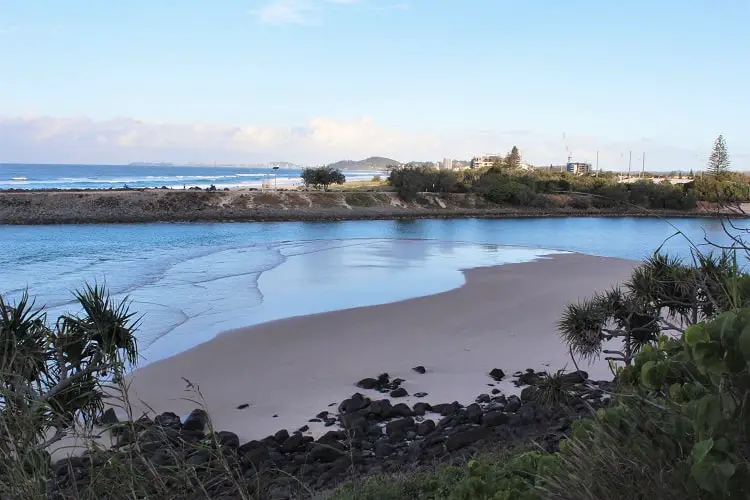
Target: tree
[[662, 292], [322, 177], [718, 162], [52, 376], [513, 159]]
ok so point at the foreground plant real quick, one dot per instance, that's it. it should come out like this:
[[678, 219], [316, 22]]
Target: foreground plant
[[662, 296], [53, 376]]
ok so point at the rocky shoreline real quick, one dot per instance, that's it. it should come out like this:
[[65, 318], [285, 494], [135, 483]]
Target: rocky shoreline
[[365, 435], [163, 205]]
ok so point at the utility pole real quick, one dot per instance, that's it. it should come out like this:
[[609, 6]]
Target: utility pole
[[597, 160], [630, 163], [643, 165]]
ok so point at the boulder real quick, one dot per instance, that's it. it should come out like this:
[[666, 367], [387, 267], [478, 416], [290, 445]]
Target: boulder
[[494, 418], [399, 393], [196, 421], [466, 438], [421, 408], [381, 408], [483, 398], [293, 443], [280, 437], [474, 413], [168, 419], [446, 409], [325, 453], [228, 439], [576, 377], [420, 369], [109, 417], [497, 374], [355, 403], [529, 393], [383, 449], [399, 426], [425, 427], [401, 410], [367, 383], [513, 404]]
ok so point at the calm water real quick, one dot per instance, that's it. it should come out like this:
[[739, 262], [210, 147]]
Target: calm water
[[193, 281], [18, 176]]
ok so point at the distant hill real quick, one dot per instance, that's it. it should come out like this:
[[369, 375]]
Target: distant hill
[[371, 163]]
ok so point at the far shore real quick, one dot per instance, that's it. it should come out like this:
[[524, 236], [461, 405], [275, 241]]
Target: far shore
[[243, 205], [279, 375]]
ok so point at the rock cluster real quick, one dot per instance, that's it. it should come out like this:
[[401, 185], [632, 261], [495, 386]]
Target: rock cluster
[[372, 436]]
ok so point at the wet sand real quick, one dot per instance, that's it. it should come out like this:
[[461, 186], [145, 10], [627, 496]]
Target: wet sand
[[289, 370]]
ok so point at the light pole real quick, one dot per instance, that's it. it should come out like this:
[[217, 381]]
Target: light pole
[[275, 173]]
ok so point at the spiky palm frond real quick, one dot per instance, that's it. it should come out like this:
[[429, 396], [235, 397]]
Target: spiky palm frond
[[22, 339], [108, 323], [553, 389], [581, 326], [663, 281]]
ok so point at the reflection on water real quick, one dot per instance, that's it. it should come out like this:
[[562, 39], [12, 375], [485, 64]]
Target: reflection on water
[[195, 280]]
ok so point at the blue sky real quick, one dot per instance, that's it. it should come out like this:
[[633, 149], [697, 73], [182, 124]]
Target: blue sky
[[318, 80]]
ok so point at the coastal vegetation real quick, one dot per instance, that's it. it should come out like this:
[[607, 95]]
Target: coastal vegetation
[[322, 177], [506, 182]]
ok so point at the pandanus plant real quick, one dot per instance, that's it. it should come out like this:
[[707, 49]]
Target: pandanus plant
[[663, 295], [52, 376]]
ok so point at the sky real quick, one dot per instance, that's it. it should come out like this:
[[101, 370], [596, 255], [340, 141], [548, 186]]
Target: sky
[[314, 81]]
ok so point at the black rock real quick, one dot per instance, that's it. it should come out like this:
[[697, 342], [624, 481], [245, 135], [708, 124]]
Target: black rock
[[494, 418], [293, 443], [168, 419], [253, 458], [513, 404], [474, 413], [420, 395], [304, 428], [495, 391], [419, 369], [381, 408], [446, 409], [355, 403], [483, 398], [243, 406], [228, 439], [281, 436], [315, 420], [399, 426], [399, 393], [425, 427], [401, 410], [383, 449], [497, 374], [274, 416], [109, 417], [465, 438], [325, 453], [383, 378], [196, 421], [421, 408], [322, 415], [576, 377], [367, 383]]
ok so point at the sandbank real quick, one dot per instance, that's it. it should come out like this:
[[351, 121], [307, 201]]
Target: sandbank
[[287, 371]]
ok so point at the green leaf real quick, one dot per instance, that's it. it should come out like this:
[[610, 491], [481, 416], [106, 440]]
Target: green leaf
[[701, 449]]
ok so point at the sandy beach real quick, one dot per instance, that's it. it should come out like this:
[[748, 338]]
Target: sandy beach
[[289, 370]]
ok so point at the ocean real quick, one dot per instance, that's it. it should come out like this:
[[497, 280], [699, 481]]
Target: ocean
[[27, 176], [192, 281]]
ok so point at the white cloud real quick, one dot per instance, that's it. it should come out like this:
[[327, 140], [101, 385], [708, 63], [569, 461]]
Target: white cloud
[[45, 139], [277, 12], [285, 12]]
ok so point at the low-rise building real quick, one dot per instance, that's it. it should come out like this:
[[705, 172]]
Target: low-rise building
[[577, 168]]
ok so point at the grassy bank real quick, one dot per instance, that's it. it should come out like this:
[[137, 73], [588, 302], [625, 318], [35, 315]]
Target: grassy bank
[[112, 206]]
